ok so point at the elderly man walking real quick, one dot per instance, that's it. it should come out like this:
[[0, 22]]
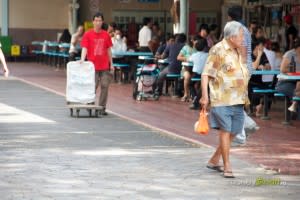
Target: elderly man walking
[[227, 76]]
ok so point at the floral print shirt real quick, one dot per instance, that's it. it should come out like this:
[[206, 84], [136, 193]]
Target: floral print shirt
[[230, 76]]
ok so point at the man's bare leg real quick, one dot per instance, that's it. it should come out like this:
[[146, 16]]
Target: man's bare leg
[[214, 160], [225, 142]]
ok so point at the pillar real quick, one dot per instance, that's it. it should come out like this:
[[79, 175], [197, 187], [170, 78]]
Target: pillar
[[4, 15], [183, 16]]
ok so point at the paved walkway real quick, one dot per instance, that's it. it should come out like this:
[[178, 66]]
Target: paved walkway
[[45, 154], [275, 146]]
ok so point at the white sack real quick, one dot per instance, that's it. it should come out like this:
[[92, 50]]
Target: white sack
[[80, 82]]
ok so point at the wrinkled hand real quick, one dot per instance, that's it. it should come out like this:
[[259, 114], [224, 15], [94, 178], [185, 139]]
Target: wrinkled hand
[[80, 61], [204, 102], [230, 68], [267, 67], [260, 67]]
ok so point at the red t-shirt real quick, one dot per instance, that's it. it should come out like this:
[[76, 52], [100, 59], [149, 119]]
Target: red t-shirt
[[97, 45]]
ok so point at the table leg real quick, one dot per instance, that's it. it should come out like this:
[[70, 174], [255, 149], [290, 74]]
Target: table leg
[[266, 102]]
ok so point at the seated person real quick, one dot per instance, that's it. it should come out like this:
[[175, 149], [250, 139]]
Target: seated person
[[111, 28], [278, 55], [118, 41], [203, 32], [64, 38], [163, 44], [119, 45], [271, 56], [153, 44], [174, 66], [198, 59], [293, 107], [259, 62], [75, 43], [284, 86], [183, 56]]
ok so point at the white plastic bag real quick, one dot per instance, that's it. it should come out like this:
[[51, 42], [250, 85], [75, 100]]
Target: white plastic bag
[[250, 125], [80, 82]]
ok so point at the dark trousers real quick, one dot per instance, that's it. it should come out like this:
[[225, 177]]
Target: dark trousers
[[103, 79]]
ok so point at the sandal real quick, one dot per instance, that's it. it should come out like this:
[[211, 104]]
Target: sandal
[[215, 167], [228, 174], [185, 99], [258, 111], [258, 114]]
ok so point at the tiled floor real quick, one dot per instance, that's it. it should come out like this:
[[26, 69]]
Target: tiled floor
[[274, 146]]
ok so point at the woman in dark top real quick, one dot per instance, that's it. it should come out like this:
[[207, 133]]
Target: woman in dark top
[[259, 62], [65, 37]]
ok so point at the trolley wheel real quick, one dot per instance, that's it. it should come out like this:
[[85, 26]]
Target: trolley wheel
[[139, 98], [156, 97], [71, 112], [135, 90], [77, 113]]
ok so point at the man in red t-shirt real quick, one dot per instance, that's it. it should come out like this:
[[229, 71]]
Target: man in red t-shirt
[[96, 47]]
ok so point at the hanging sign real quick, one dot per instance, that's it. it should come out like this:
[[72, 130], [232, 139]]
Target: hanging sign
[[148, 1], [295, 10], [239, 2]]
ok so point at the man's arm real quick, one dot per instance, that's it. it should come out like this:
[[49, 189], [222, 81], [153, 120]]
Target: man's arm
[[5, 68], [284, 67], [73, 39], [110, 59], [204, 89], [83, 54], [165, 54]]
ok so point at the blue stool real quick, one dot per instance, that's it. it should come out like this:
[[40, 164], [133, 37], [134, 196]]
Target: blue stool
[[287, 116], [296, 98], [195, 79], [265, 93], [173, 78]]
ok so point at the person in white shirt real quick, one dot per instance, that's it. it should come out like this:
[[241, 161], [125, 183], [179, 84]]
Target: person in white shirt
[[119, 45], [2, 58], [75, 43], [119, 42], [271, 56], [145, 35], [275, 46]]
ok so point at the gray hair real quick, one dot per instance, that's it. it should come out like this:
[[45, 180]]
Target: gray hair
[[232, 28]]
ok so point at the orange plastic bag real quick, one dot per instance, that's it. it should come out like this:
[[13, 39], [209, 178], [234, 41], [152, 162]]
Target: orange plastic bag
[[202, 126]]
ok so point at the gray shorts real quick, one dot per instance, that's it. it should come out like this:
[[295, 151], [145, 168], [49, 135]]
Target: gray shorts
[[228, 118]]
